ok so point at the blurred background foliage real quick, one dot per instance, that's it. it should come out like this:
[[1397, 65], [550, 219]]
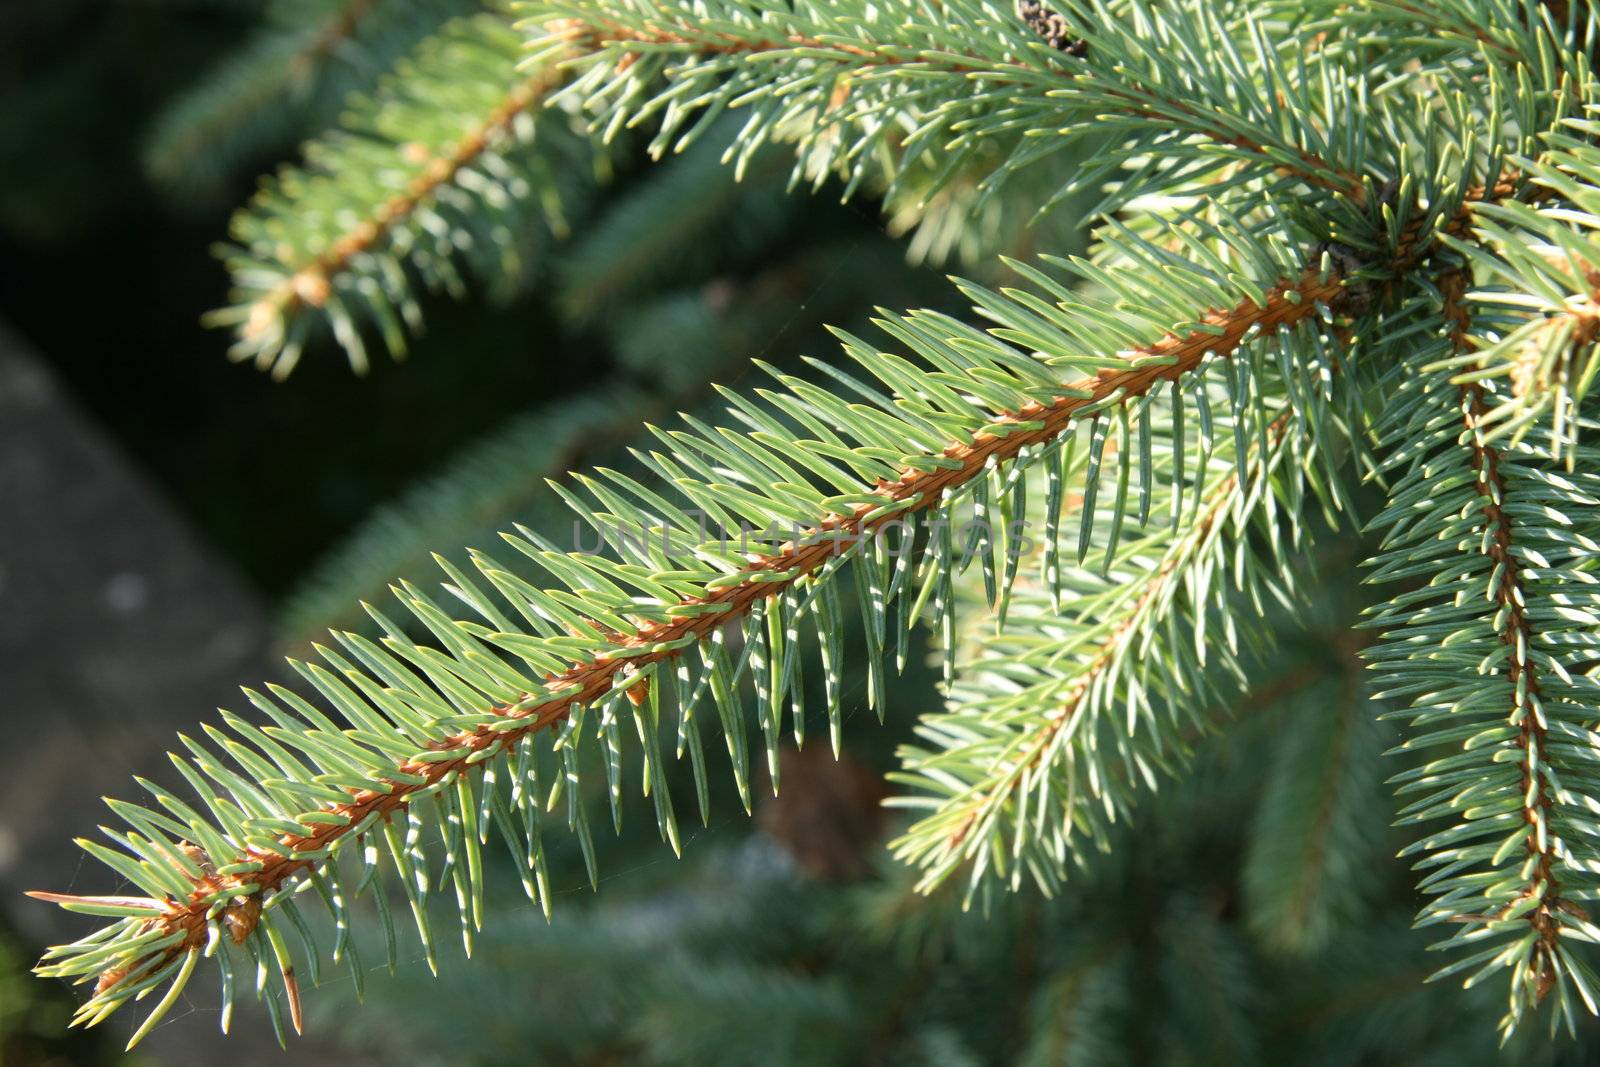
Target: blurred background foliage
[[89, 214], [130, 129]]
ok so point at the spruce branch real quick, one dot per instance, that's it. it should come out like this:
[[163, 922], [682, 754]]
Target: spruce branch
[[312, 282], [449, 163], [894, 73], [984, 804], [335, 32], [339, 245], [1539, 296], [1520, 851], [1540, 903], [286, 82], [1532, 34], [234, 892], [1314, 846], [1019, 764], [1289, 203], [986, 775]]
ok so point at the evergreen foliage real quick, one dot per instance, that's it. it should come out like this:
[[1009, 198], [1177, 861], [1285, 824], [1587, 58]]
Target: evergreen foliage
[[435, 178], [1338, 250], [674, 313], [289, 80]]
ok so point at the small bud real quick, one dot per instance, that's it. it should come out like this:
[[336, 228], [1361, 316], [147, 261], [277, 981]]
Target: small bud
[[1052, 27], [311, 287]]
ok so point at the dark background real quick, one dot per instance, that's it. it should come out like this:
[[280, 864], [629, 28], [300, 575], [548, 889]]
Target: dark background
[[107, 277]]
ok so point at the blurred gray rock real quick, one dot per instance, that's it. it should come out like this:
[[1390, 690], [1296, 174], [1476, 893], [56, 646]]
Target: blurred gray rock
[[116, 630]]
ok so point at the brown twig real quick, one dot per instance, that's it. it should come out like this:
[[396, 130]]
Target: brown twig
[[1517, 636]]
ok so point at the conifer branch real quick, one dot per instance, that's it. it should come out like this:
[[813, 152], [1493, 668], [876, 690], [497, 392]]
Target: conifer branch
[[590, 33], [311, 283], [1036, 746], [284, 84], [1539, 294], [450, 163], [1519, 851], [1540, 903], [1054, 768], [182, 928], [1216, 146], [335, 32], [296, 275], [1315, 850], [186, 136]]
